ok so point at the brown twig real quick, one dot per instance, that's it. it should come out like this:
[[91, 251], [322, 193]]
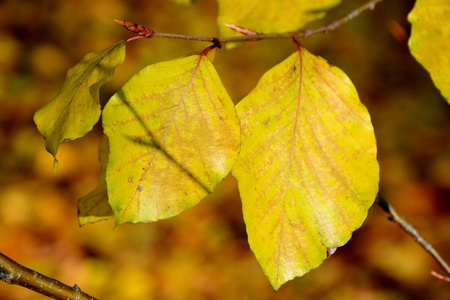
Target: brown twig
[[408, 228], [14, 273], [144, 32]]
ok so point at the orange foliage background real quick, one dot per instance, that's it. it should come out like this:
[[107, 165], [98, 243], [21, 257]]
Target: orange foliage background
[[203, 253]]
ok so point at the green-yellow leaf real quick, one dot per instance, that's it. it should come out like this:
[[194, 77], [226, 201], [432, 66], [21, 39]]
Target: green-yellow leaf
[[94, 207], [429, 41], [174, 135], [307, 170], [76, 108], [270, 16]]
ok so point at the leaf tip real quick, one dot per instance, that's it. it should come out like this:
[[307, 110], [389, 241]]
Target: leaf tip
[[330, 251], [55, 164]]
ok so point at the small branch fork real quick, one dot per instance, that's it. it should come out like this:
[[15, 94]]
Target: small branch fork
[[408, 228], [14, 273], [249, 35]]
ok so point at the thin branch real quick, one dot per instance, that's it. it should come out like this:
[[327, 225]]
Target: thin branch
[[14, 273], [350, 16], [408, 228], [144, 32]]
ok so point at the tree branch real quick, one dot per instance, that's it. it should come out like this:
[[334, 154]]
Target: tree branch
[[14, 273], [144, 32], [408, 228]]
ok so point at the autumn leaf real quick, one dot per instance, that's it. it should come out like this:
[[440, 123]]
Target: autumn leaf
[[307, 170], [76, 108], [174, 135], [430, 33], [270, 16], [94, 207]]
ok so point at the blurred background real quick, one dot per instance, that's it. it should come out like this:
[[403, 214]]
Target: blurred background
[[203, 253]]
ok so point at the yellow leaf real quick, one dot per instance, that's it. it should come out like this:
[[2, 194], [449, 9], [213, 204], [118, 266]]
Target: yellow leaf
[[174, 135], [307, 170], [429, 42]]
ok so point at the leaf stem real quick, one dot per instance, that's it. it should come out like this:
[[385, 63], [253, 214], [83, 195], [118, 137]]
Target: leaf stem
[[305, 33], [408, 228], [14, 273]]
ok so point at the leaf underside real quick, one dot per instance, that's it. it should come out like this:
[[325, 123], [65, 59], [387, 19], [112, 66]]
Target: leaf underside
[[94, 207], [429, 41], [76, 108], [272, 16], [307, 171], [174, 135]]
